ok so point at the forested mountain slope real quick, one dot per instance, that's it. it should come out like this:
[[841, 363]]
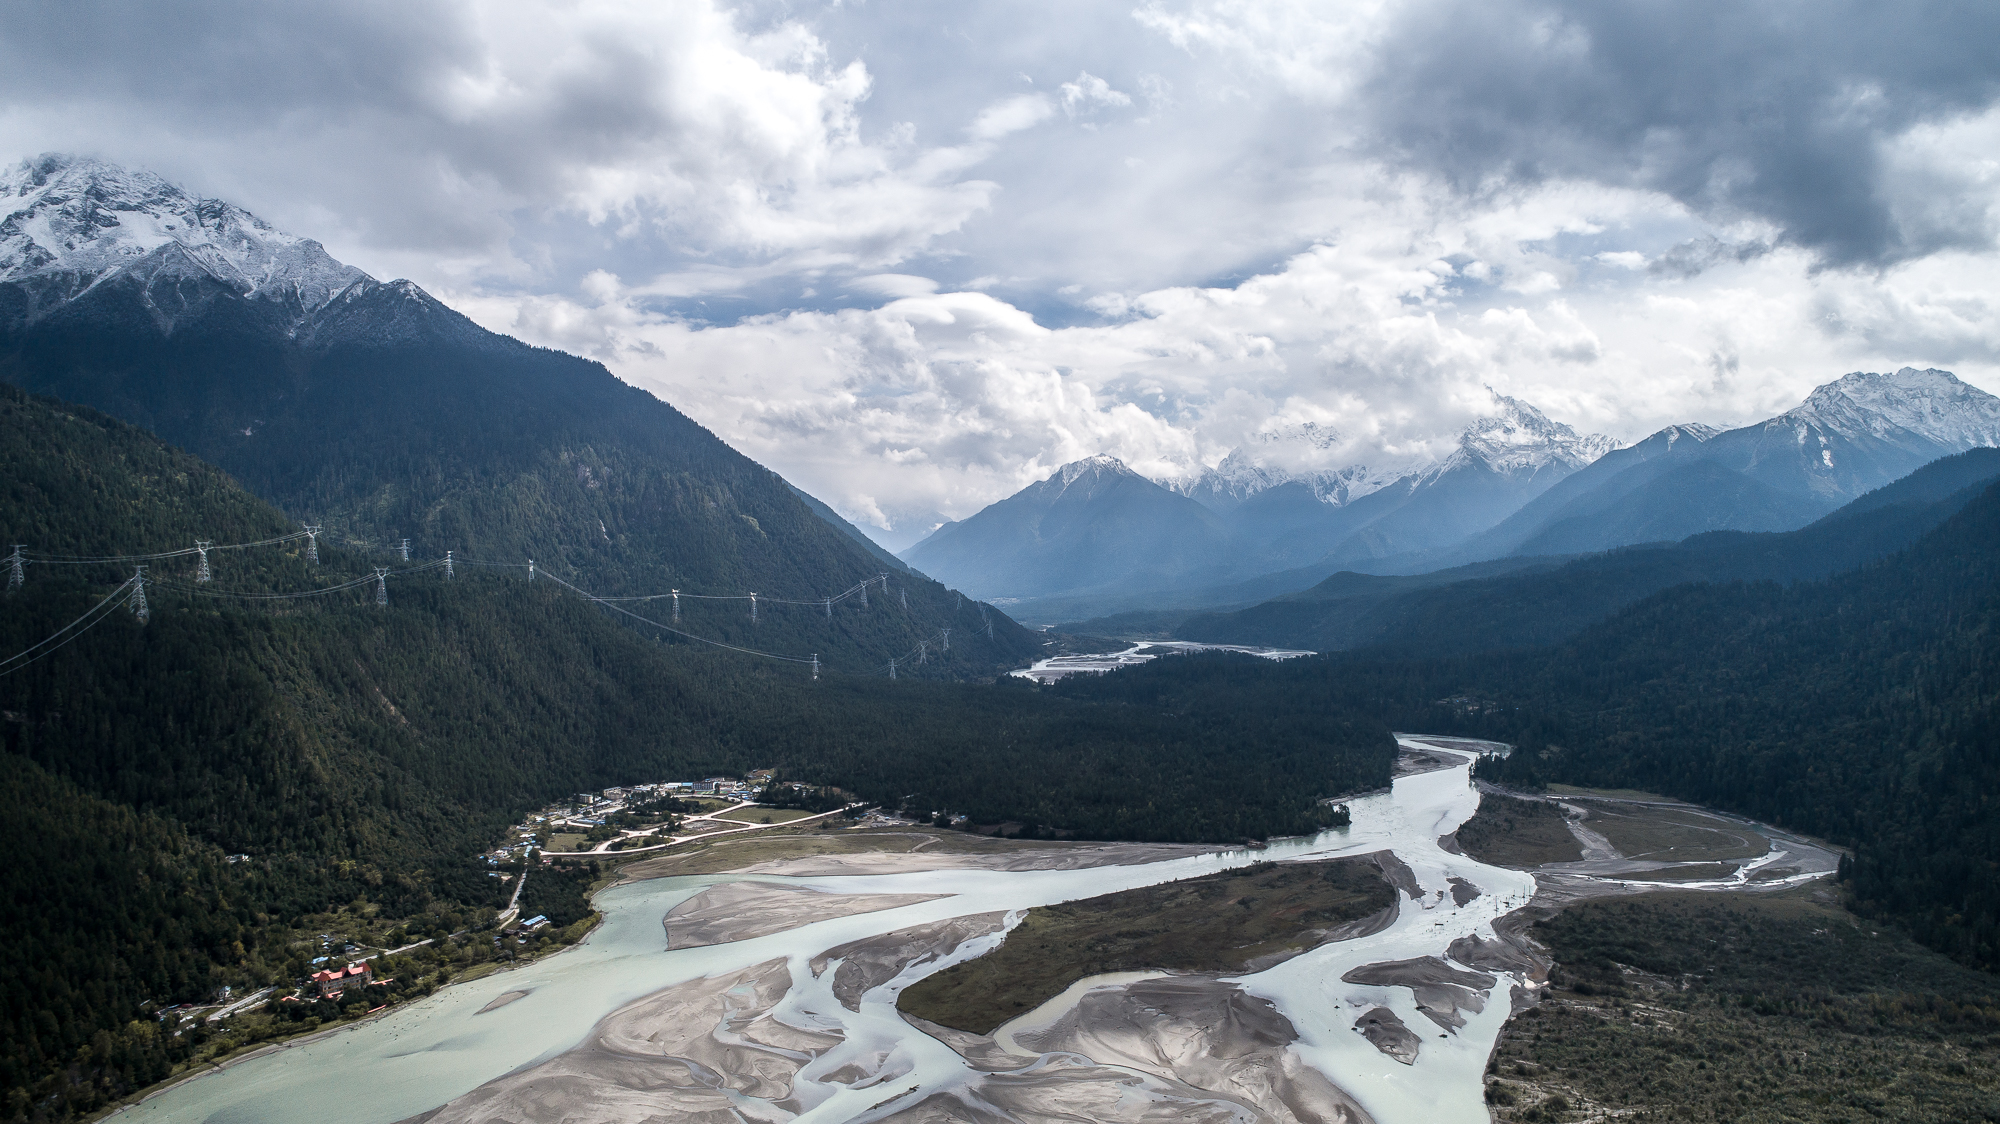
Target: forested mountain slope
[[364, 752], [1864, 708], [375, 410], [1462, 611]]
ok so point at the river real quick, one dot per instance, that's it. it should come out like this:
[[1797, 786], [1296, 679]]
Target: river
[[420, 1056]]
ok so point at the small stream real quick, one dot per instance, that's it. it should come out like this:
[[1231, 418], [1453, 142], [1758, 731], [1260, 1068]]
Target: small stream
[[422, 1055]]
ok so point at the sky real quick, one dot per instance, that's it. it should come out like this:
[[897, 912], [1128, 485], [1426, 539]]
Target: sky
[[915, 256]]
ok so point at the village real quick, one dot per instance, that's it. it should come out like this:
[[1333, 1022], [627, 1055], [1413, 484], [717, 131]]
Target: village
[[631, 819]]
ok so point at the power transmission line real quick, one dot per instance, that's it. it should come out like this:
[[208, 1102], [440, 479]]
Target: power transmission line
[[57, 639]]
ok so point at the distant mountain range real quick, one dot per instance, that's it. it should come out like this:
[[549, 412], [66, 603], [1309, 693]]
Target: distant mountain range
[[1540, 601], [1848, 437], [374, 409], [1518, 486], [1098, 533]]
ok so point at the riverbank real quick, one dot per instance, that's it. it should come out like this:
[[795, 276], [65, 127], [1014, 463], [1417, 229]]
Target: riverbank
[[685, 1011]]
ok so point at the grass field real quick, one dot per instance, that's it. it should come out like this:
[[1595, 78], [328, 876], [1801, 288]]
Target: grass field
[[766, 815], [1523, 834], [810, 840], [1215, 923], [1672, 834], [1762, 1009], [565, 841]]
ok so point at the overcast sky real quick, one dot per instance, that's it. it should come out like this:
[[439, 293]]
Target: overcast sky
[[914, 255]]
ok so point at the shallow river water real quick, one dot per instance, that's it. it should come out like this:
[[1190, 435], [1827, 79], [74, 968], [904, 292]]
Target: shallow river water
[[420, 1056]]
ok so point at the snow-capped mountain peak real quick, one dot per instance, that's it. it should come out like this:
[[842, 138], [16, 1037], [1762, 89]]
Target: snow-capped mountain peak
[[1697, 432], [1513, 438], [73, 223], [1089, 470], [1519, 437], [1930, 403]]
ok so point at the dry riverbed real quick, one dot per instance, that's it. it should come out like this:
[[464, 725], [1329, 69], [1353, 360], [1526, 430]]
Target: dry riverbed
[[1205, 996]]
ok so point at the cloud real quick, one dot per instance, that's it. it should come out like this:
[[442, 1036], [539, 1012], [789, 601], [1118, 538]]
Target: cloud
[[916, 263], [443, 127], [1089, 92], [1793, 114]]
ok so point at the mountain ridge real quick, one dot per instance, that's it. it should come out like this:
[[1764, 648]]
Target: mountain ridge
[[381, 413]]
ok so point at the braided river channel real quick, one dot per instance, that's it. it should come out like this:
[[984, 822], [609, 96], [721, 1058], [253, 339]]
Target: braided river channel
[[853, 1058]]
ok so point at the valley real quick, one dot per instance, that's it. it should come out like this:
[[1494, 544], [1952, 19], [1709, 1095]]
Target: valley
[[803, 1015], [401, 721]]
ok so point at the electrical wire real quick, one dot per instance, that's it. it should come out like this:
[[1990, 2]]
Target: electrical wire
[[100, 610], [81, 560], [675, 631]]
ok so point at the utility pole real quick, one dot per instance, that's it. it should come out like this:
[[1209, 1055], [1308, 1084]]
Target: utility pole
[[406, 550], [312, 543], [201, 573], [381, 585], [16, 572], [139, 608]]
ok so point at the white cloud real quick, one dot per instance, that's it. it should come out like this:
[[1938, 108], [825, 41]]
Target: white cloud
[[1089, 92], [1160, 234]]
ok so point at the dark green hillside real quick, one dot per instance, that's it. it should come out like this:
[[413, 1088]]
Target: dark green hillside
[[391, 417], [1865, 708], [1862, 707]]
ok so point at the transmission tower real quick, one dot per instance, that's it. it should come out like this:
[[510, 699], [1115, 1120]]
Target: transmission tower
[[829, 608], [815, 667], [406, 550], [447, 563], [947, 638], [16, 572], [923, 653], [531, 569], [381, 586], [677, 606], [201, 573], [892, 669], [753, 608], [904, 593], [139, 608], [312, 543], [864, 595]]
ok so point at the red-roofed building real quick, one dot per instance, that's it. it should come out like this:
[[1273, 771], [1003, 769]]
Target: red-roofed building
[[331, 983]]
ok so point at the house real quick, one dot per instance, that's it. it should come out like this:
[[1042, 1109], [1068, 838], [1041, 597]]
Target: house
[[329, 984]]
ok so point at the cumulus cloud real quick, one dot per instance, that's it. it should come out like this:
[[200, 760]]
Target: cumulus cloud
[[444, 127], [916, 264], [1795, 114]]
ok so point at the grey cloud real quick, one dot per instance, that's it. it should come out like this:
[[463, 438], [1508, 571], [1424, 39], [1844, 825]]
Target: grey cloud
[[1773, 111], [1693, 257]]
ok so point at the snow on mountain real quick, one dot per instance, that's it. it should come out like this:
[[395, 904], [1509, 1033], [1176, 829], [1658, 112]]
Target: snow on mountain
[[1514, 439], [1087, 467], [1930, 403], [1519, 438], [71, 224]]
